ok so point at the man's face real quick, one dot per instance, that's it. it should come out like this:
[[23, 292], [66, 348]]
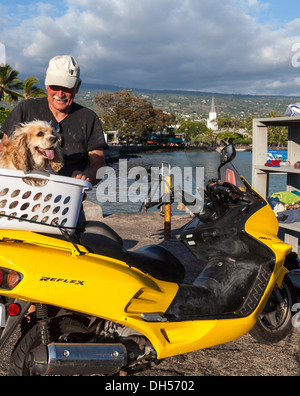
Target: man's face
[[61, 98]]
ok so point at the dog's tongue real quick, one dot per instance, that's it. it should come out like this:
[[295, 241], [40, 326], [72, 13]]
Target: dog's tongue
[[48, 153]]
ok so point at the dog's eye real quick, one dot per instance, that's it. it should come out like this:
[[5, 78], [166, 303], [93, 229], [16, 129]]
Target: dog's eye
[[40, 134]]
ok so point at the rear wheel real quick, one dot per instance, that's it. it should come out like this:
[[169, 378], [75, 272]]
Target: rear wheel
[[63, 330], [275, 322]]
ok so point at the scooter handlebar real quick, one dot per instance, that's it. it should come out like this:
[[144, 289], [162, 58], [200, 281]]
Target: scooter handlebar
[[219, 189], [225, 189]]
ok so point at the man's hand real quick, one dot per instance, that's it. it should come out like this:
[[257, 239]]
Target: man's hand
[[96, 161], [81, 175]]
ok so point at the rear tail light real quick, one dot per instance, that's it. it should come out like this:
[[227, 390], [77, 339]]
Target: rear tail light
[[9, 279], [14, 309]]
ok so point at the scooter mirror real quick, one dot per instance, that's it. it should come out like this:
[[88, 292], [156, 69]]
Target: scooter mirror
[[227, 154]]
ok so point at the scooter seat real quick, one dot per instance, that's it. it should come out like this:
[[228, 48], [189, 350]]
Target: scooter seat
[[98, 228], [157, 262], [153, 260]]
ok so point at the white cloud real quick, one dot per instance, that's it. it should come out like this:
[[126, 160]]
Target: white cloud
[[253, 3], [253, 6], [169, 44], [257, 4], [2, 54]]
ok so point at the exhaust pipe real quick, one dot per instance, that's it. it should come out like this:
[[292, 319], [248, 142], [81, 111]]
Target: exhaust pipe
[[76, 359]]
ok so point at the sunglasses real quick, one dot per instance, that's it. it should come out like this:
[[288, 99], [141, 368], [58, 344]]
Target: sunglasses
[[58, 130]]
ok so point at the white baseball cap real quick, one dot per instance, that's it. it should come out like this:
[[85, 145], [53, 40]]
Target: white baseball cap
[[63, 70]]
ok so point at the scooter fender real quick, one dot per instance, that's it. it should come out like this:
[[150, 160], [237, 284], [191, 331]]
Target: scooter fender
[[284, 271]]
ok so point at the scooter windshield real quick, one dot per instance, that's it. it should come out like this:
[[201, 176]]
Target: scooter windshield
[[229, 174]]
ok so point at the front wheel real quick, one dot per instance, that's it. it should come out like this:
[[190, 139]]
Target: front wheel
[[275, 322]]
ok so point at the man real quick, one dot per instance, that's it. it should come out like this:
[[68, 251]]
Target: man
[[80, 128]]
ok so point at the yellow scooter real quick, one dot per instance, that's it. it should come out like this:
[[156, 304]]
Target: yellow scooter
[[100, 309]]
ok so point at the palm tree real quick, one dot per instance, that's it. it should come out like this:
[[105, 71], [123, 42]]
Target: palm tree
[[9, 83], [31, 90]]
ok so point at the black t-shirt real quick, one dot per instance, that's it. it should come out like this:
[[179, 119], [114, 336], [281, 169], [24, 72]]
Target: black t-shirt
[[81, 130]]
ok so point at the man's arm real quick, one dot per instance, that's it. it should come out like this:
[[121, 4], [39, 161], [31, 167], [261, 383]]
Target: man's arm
[[96, 161], [3, 140]]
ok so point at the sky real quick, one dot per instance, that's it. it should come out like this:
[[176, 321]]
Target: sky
[[221, 46]]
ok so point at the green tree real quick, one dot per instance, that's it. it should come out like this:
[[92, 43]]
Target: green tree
[[3, 114], [249, 125], [277, 135], [191, 129], [10, 83], [196, 132], [229, 136], [132, 116], [230, 123], [31, 90]]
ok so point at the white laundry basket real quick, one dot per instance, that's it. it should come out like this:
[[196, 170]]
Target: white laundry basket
[[40, 208]]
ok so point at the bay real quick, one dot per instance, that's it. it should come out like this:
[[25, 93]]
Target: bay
[[208, 160]]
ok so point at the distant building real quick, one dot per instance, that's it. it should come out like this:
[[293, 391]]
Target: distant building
[[112, 137], [212, 118]]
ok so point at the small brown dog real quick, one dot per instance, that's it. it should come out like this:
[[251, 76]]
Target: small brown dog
[[32, 146]]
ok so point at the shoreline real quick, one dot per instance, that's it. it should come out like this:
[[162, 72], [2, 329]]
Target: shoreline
[[114, 153]]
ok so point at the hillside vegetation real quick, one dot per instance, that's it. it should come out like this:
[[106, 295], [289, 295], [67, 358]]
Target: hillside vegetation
[[197, 105]]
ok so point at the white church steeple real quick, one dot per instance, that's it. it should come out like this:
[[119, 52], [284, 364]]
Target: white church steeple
[[212, 118]]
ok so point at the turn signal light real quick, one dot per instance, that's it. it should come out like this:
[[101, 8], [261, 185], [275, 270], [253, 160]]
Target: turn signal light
[[9, 279], [13, 279]]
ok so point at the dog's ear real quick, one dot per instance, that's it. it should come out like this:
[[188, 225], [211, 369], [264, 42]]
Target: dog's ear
[[57, 163], [20, 152]]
